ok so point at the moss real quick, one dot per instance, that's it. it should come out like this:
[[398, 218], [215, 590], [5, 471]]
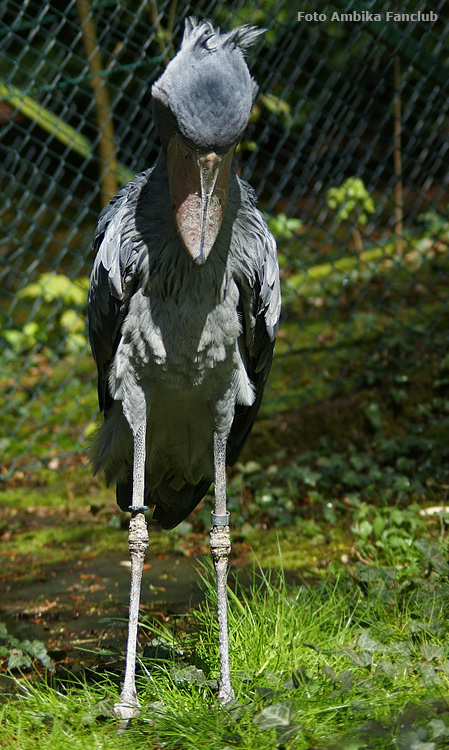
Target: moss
[[297, 550]]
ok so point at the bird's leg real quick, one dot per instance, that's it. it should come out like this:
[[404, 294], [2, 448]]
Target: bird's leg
[[220, 545], [128, 704]]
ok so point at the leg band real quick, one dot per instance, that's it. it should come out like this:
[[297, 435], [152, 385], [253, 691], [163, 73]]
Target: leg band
[[220, 520]]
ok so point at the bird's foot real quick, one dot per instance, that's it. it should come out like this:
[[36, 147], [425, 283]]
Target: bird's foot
[[225, 693], [126, 708]]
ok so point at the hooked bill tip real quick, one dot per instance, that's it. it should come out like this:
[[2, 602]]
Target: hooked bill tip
[[199, 260]]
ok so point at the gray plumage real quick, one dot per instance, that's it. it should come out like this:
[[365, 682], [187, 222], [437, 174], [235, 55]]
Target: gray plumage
[[197, 341], [184, 305], [208, 86]]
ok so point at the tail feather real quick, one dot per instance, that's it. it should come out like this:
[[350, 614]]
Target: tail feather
[[112, 446]]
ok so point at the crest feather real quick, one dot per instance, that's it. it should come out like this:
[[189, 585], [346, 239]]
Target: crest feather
[[199, 34], [203, 34], [243, 37]]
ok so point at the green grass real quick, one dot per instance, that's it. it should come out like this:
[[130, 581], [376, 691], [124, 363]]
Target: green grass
[[354, 655], [310, 664]]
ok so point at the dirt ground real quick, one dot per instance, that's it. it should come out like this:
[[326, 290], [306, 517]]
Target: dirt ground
[[77, 607]]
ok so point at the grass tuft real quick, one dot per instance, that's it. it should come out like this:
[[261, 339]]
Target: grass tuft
[[352, 661]]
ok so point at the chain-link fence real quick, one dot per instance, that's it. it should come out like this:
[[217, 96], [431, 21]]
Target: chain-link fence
[[347, 149]]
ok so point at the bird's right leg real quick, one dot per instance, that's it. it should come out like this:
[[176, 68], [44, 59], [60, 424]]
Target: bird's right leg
[[128, 704], [220, 545]]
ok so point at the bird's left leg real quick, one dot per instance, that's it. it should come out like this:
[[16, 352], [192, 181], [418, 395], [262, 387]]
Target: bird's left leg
[[128, 704], [220, 545]]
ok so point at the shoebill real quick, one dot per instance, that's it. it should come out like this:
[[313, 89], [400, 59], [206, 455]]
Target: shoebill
[[184, 305]]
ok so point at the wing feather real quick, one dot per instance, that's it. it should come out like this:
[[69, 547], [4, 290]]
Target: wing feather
[[260, 308], [113, 277]]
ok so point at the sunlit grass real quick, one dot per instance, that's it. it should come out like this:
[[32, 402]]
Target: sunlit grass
[[309, 663]]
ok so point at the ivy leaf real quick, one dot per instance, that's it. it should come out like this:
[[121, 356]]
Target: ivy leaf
[[309, 644], [329, 672], [439, 728], [236, 710], [284, 733], [279, 716], [37, 650], [429, 674], [388, 668], [161, 650], [191, 676], [366, 643], [364, 659], [297, 679], [431, 652], [401, 647], [102, 710], [18, 660], [346, 678], [269, 693], [435, 556]]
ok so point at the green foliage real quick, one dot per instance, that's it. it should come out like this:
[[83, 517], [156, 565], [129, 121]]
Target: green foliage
[[385, 471], [24, 340], [374, 416], [435, 224], [64, 331], [22, 654], [52, 287], [277, 106], [283, 227], [351, 199], [246, 145], [56, 126], [391, 533], [355, 661]]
